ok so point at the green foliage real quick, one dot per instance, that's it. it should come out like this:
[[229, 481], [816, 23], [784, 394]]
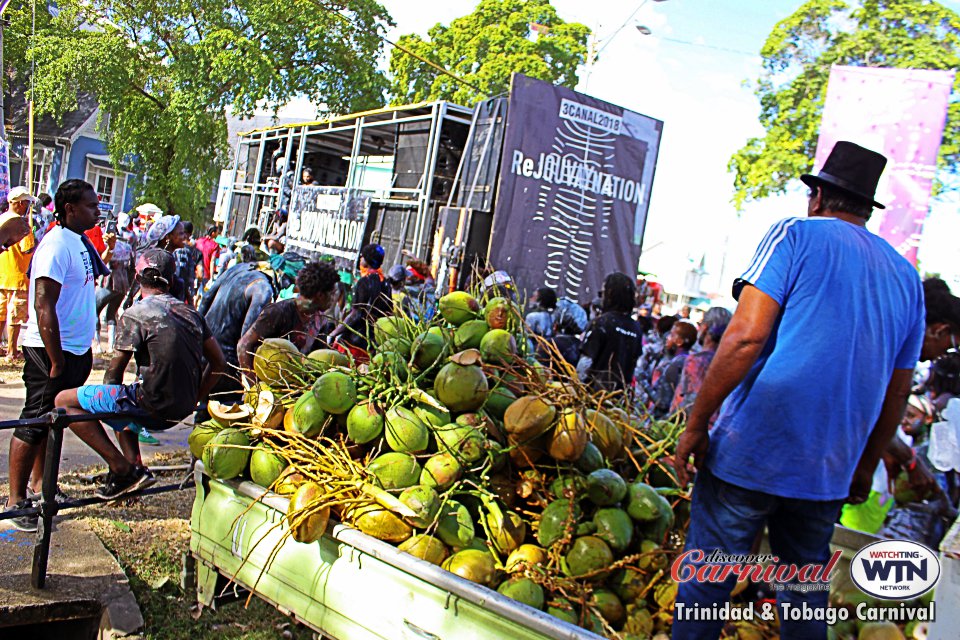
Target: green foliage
[[485, 48], [914, 34], [167, 71]]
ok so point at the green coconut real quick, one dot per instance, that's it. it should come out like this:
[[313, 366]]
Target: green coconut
[[401, 346], [273, 361], [461, 388], [644, 503], [423, 501], [454, 524], [266, 466], [395, 470], [507, 529], [431, 415], [457, 307], [498, 346], [365, 422], [562, 608], [469, 334], [473, 565], [385, 525], [528, 417], [587, 555], [404, 431], [568, 486], [498, 401], [605, 487], [387, 327], [557, 520], [426, 548], [652, 557], [201, 435], [610, 607], [307, 417], [464, 441], [222, 457], [326, 358], [605, 434], [427, 349], [440, 471], [336, 392], [591, 459], [614, 527], [523, 590]]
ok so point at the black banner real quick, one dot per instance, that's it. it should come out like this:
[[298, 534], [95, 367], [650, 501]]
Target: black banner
[[575, 183], [328, 221]]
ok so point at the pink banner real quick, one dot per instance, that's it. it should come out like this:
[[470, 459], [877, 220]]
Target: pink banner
[[901, 114]]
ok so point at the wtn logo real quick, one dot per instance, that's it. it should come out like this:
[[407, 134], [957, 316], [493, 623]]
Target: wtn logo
[[903, 570], [895, 569]]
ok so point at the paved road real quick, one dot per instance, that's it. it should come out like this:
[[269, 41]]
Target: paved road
[[75, 453]]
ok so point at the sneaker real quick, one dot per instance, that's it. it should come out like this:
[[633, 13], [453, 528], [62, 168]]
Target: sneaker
[[60, 497], [116, 486], [144, 436], [25, 523]]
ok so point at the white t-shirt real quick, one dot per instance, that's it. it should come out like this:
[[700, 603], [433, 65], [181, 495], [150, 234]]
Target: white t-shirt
[[63, 257]]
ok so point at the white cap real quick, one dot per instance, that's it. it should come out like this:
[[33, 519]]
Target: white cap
[[19, 193], [149, 209]]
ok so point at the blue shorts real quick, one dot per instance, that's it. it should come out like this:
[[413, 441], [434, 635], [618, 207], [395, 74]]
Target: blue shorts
[[119, 398]]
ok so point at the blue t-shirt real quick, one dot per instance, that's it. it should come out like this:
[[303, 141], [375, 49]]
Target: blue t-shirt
[[851, 311]]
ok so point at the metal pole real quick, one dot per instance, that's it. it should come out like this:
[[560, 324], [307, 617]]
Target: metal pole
[[256, 181], [425, 220], [48, 501], [3, 134]]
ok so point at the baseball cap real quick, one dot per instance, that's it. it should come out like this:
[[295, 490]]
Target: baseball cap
[[20, 193], [159, 261]]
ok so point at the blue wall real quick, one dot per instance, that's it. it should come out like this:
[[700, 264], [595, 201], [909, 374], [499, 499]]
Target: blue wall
[[77, 167]]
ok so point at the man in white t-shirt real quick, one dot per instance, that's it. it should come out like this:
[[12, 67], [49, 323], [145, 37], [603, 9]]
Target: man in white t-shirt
[[57, 336]]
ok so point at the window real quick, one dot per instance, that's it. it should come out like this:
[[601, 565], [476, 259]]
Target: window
[[42, 166], [104, 187], [108, 184]]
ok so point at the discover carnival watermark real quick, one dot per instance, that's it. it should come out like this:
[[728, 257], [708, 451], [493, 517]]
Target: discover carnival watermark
[[886, 570]]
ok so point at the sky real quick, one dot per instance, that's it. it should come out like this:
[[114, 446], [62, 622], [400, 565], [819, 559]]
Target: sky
[[695, 72]]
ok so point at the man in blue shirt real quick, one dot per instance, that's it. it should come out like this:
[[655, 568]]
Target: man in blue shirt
[[813, 374]]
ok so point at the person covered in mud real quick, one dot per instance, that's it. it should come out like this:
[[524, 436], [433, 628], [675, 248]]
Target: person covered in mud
[[302, 320], [178, 363]]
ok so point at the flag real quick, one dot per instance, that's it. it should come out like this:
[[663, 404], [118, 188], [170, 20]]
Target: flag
[[901, 114]]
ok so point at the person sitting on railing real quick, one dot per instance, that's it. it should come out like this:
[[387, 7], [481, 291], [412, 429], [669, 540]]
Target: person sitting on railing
[[167, 338]]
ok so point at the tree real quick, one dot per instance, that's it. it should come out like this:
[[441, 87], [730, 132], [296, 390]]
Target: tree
[[797, 56], [165, 73], [485, 48]]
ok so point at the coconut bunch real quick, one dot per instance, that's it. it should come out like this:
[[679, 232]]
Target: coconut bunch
[[469, 443]]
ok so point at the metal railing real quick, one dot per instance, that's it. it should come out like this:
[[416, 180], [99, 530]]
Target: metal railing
[[56, 422]]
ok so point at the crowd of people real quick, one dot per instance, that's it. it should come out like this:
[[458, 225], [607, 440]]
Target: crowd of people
[[189, 312]]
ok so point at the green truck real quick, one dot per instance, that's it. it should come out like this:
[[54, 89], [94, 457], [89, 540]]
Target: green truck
[[347, 585]]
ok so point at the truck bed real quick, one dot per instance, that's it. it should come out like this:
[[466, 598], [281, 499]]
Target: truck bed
[[347, 585]]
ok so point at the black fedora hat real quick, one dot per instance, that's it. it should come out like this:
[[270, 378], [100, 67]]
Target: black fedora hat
[[852, 169]]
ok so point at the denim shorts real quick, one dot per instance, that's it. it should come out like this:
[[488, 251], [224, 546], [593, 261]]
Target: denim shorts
[[119, 398]]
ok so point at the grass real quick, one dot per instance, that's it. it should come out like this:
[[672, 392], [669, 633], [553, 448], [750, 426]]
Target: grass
[[149, 536]]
